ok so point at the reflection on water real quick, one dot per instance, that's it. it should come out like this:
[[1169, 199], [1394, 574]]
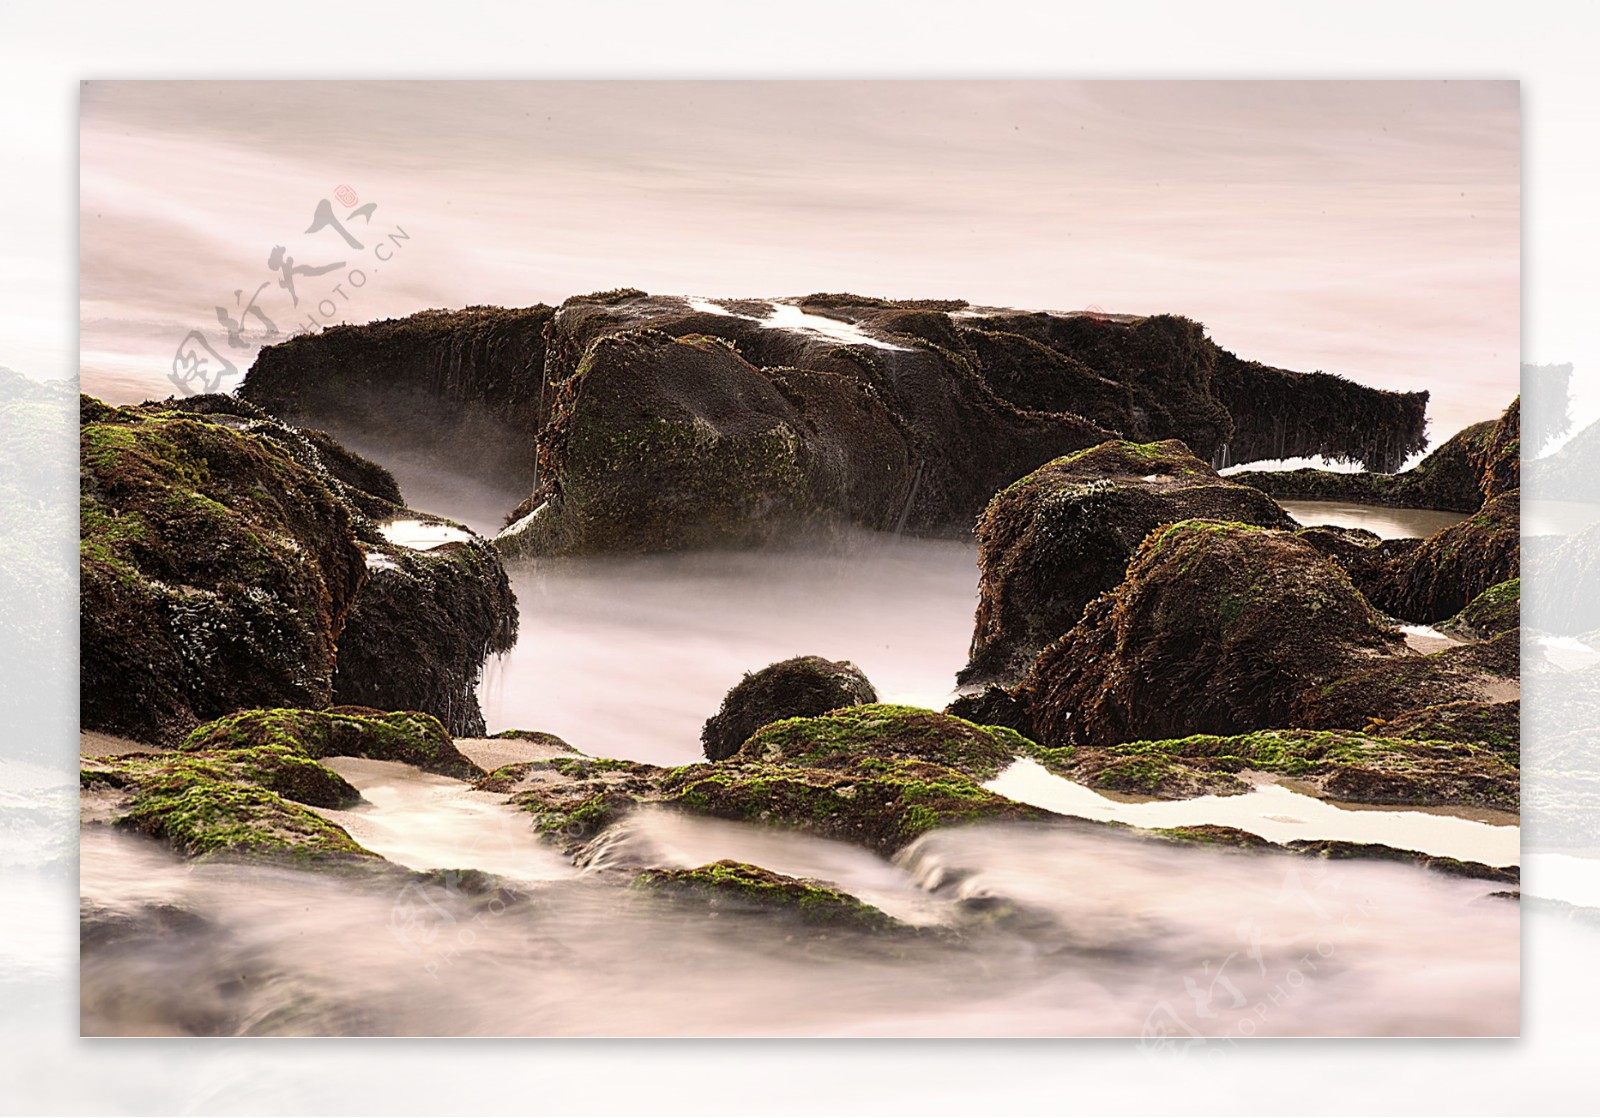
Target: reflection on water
[[627, 657], [1277, 814], [1385, 522]]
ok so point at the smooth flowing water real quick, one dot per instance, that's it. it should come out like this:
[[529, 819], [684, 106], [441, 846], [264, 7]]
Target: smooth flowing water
[[627, 657]]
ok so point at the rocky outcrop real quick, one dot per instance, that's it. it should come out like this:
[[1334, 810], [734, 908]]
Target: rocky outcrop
[[1495, 725], [1217, 628], [666, 423], [466, 386], [799, 687], [1471, 467], [1497, 610], [1051, 542], [1549, 404], [217, 573], [1282, 414], [230, 561], [1487, 672]]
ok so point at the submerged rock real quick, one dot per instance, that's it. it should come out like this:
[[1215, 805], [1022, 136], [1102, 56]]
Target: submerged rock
[[406, 736], [1054, 540], [1217, 628], [728, 887], [866, 735], [879, 804], [804, 685]]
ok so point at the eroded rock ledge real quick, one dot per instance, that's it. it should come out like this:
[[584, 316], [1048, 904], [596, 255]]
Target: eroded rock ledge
[[661, 423]]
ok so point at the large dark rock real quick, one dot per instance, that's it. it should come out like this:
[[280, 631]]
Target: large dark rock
[[230, 561], [801, 687], [1052, 541], [216, 573], [667, 424], [1217, 628]]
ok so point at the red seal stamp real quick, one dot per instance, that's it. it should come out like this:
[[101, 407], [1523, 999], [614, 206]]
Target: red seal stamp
[[1095, 311], [346, 194]]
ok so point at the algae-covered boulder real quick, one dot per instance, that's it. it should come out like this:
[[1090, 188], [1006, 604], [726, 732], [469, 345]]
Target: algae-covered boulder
[[1352, 767], [1497, 610], [421, 628], [1217, 628], [1051, 542], [738, 887], [1436, 580], [848, 739], [406, 736], [230, 561], [804, 685], [993, 706], [216, 573], [239, 803]]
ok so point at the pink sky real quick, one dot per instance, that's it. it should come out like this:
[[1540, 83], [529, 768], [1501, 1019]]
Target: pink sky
[[1364, 228]]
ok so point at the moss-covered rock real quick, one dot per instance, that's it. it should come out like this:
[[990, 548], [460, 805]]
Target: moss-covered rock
[[1450, 568], [1367, 559], [406, 736], [1353, 767], [1217, 628], [242, 804], [737, 887], [216, 573], [1497, 610], [867, 735], [994, 706], [1495, 725], [802, 686], [879, 804], [422, 627], [1455, 867], [1054, 540]]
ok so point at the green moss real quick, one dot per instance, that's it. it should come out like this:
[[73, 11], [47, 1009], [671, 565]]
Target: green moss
[[406, 736], [740, 886]]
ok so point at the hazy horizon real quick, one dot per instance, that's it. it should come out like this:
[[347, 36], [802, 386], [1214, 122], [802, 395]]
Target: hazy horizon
[[1369, 229]]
